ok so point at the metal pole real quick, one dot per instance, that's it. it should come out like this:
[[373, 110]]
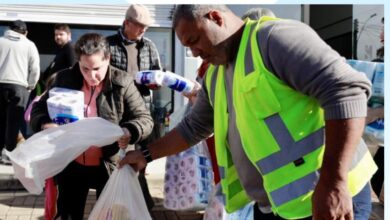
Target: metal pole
[[354, 38]]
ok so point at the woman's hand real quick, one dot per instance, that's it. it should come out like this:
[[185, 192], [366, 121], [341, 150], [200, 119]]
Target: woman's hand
[[48, 125], [124, 140]]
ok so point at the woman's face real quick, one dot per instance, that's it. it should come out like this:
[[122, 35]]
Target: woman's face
[[94, 68]]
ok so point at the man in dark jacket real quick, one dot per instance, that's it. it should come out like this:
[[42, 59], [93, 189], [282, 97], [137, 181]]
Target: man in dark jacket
[[65, 56], [132, 52]]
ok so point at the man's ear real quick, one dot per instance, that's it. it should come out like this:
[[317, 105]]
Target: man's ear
[[216, 17]]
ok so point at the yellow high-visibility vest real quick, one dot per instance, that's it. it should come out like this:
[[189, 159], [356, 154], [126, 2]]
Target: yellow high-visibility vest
[[281, 130]]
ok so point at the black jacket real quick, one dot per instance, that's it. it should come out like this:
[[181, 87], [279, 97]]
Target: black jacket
[[65, 58]]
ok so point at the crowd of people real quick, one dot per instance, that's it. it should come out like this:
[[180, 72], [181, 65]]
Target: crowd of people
[[287, 112]]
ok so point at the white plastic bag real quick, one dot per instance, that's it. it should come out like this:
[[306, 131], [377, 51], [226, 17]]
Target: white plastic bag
[[216, 209], [48, 152], [121, 198]]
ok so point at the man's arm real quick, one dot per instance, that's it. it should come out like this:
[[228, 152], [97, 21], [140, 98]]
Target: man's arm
[[33, 67], [331, 192], [197, 125], [171, 143], [70, 56]]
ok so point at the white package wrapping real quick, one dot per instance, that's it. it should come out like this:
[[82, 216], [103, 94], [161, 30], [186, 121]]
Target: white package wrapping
[[65, 105], [121, 198], [164, 78], [373, 132], [216, 209], [48, 152], [188, 179], [58, 91]]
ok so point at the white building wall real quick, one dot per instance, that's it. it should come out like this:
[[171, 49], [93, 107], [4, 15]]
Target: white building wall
[[80, 13]]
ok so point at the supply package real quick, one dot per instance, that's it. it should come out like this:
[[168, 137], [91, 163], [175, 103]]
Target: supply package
[[216, 209], [164, 78], [373, 132], [188, 179], [65, 105]]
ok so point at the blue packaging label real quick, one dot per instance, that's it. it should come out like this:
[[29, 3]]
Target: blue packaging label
[[178, 85], [62, 119], [146, 78], [379, 124]]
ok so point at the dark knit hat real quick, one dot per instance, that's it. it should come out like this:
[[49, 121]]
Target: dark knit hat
[[19, 26]]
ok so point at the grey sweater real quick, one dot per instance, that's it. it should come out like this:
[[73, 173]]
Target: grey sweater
[[296, 55]]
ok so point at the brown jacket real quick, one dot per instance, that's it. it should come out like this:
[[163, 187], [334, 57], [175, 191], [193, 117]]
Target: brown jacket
[[119, 102]]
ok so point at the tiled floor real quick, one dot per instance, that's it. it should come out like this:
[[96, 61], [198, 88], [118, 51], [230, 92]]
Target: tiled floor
[[20, 205]]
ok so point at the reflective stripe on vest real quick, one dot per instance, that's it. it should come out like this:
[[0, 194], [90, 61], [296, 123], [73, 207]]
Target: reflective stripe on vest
[[233, 195], [289, 149]]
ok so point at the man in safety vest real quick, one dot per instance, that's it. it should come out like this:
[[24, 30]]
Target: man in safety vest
[[287, 113]]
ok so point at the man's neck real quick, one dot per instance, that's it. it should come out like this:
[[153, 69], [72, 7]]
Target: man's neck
[[124, 37], [233, 45]]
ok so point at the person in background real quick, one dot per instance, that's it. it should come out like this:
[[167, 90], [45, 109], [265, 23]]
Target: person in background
[[131, 51], [257, 13], [109, 93], [19, 73], [65, 56], [374, 114], [287, 113]]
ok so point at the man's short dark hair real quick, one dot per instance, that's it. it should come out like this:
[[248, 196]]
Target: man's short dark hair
[[92, 43], [18, 26], [62, 27], [192, 12]]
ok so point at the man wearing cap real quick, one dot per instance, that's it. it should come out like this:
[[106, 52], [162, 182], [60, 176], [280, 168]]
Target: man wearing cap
[[19, 73], [132, 52]]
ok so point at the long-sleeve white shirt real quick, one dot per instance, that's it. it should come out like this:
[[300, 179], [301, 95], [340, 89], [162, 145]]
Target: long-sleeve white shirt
[[19, 60]]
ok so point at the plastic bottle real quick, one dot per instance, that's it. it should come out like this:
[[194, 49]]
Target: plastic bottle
[[164, 78]]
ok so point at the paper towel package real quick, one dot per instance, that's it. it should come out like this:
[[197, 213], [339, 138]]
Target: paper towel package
[[65, 105]]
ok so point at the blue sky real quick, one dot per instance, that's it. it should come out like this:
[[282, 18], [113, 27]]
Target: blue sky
[[114, 2], [111, 2]]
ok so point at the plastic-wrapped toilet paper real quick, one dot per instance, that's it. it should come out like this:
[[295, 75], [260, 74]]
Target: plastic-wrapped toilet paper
[[188, 180], [65, 105], [64, 109], [58, 91]]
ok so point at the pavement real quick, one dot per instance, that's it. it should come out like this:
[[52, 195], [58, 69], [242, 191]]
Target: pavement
[[17, 204]]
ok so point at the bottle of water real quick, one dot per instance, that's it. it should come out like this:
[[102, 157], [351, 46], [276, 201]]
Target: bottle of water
[[164, 78]]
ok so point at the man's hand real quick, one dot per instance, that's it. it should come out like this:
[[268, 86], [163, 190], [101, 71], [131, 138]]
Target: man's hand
[[124, 140], [153, 86], [48, 125], [135, 159], [193, 93], [331, 200]]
